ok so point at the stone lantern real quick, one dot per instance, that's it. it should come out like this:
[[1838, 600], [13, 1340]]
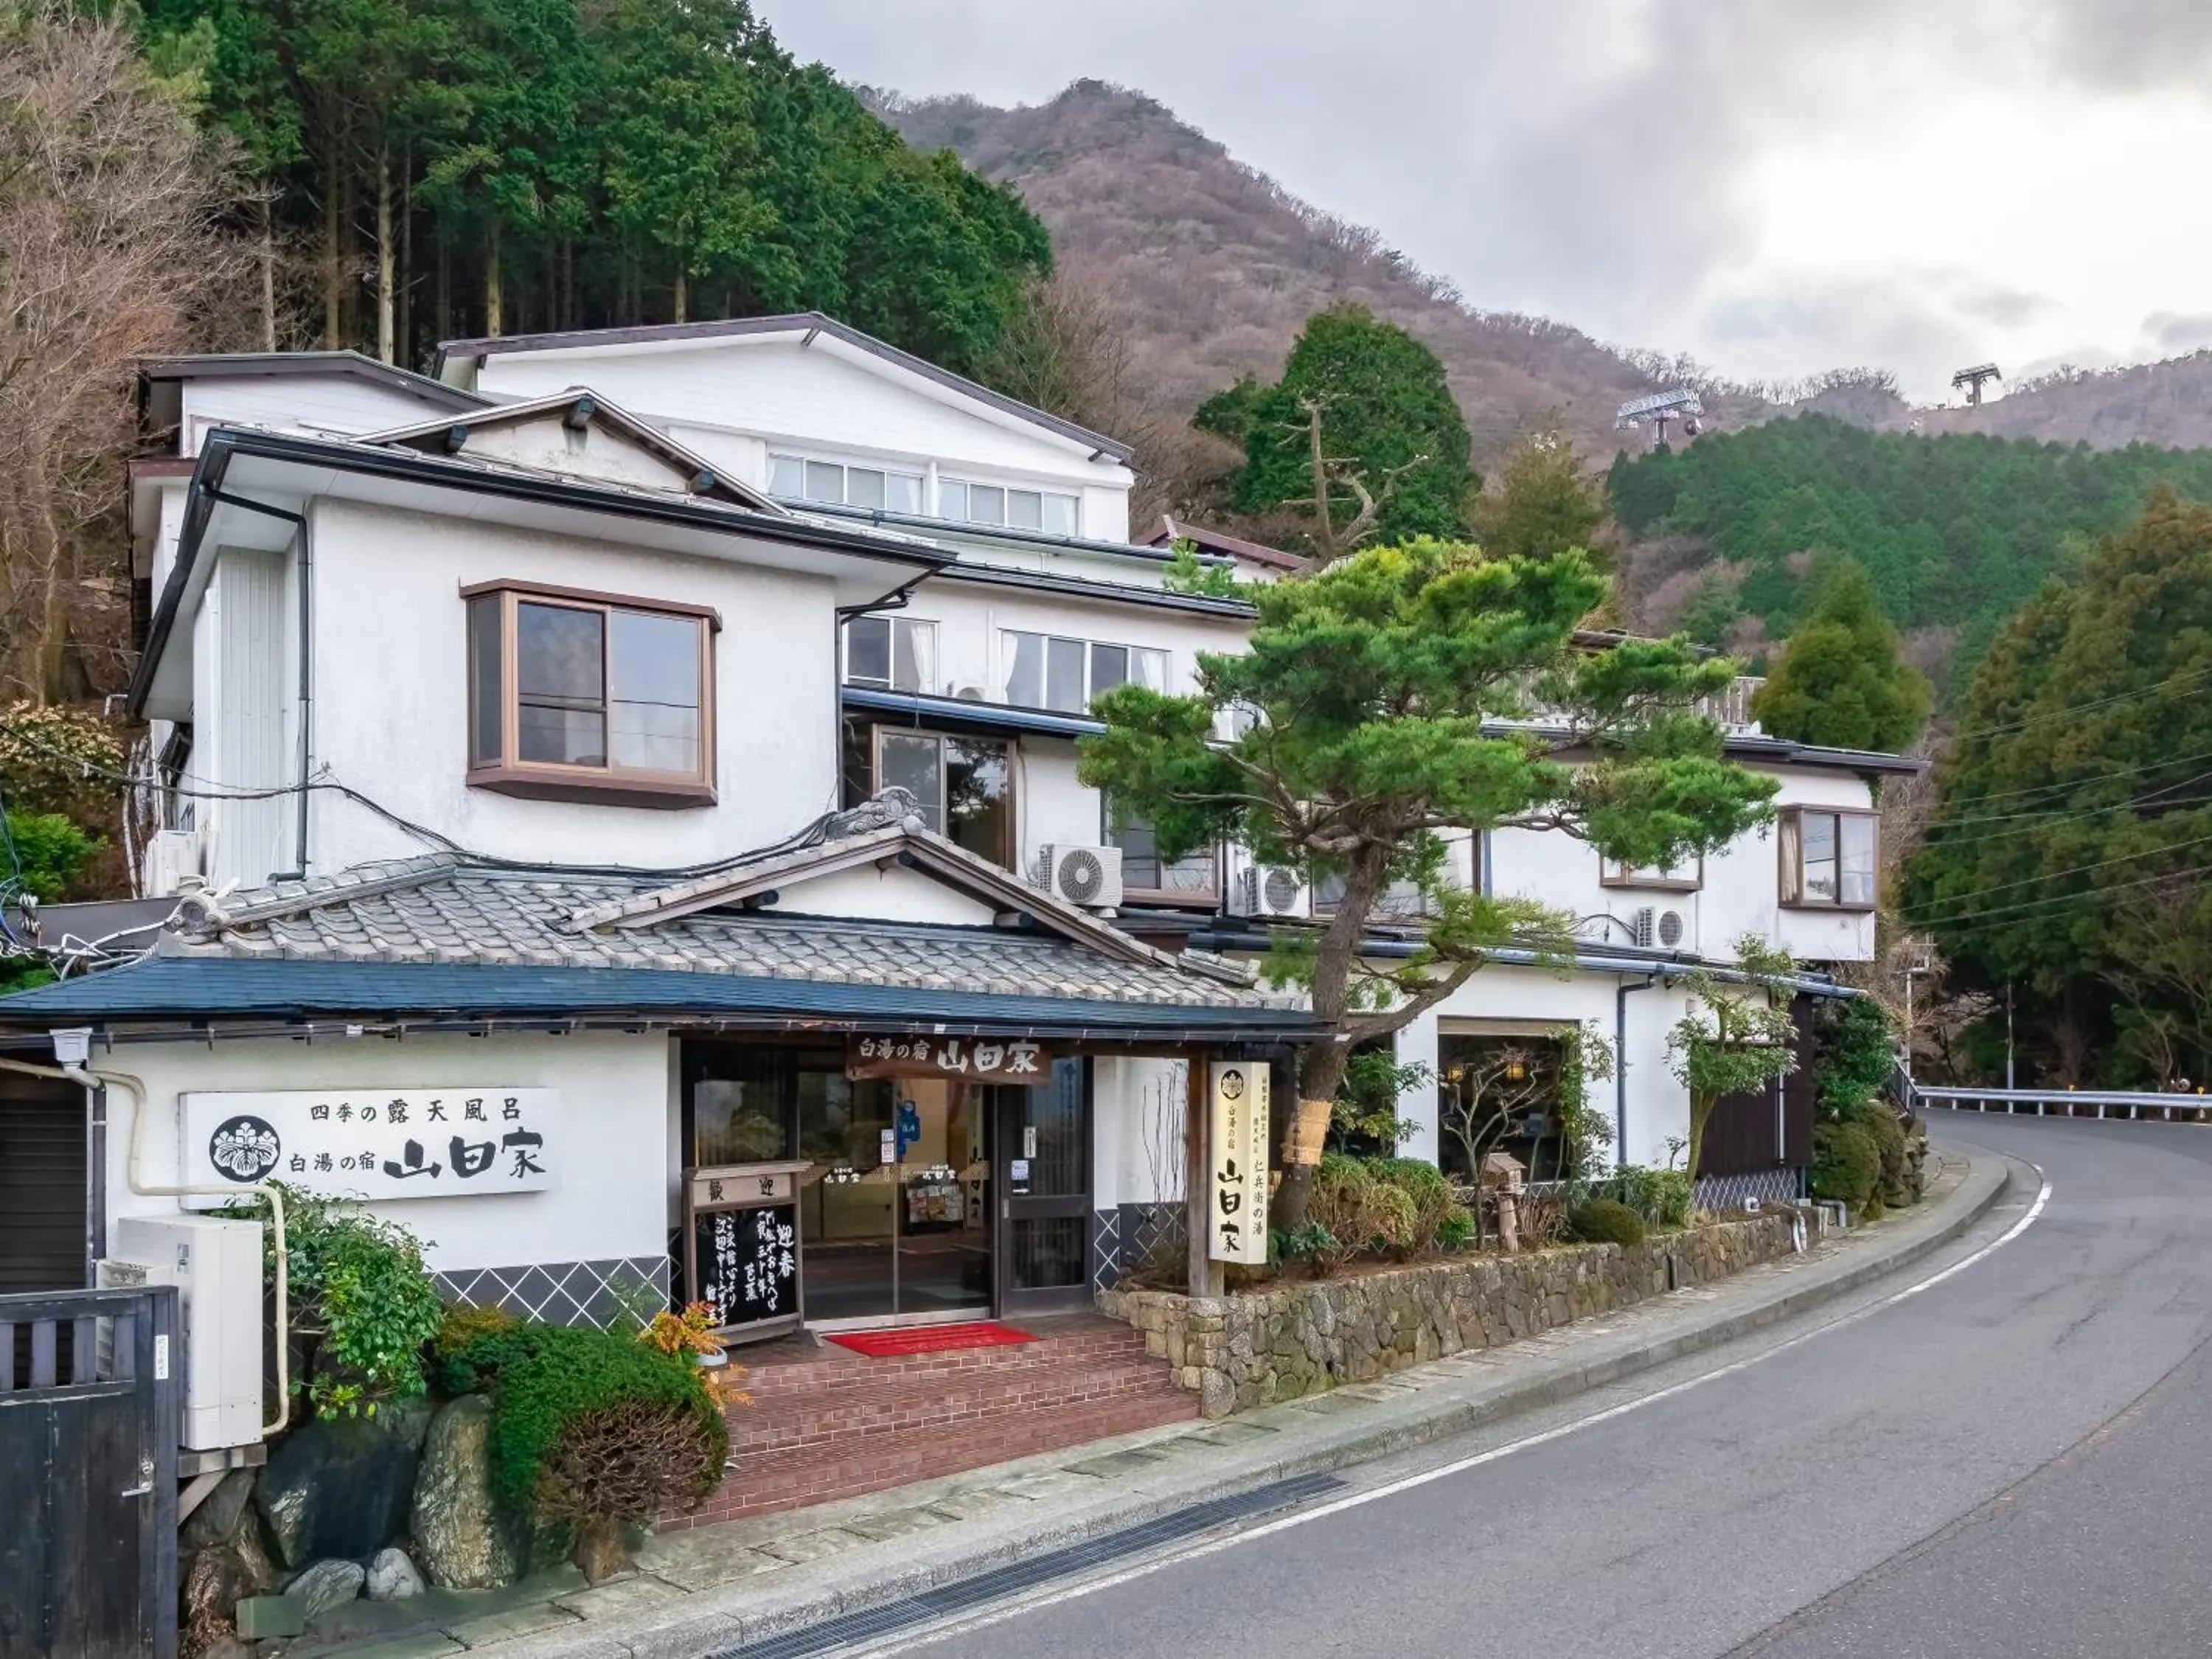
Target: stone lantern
[[1501, 1179]]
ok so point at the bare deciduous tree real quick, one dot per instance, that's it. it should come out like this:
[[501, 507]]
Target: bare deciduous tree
[[111, 249]]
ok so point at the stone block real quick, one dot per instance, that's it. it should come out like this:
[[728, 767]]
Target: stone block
[[339, 1487], [260, 1617]]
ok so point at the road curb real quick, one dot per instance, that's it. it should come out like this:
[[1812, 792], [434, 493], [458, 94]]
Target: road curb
[[745, 1616]]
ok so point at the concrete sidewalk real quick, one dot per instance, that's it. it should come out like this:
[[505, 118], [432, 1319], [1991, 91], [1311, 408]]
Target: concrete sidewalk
[[711, 1589]]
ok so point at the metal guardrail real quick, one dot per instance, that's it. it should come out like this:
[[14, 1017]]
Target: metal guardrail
[[2133, 1104]]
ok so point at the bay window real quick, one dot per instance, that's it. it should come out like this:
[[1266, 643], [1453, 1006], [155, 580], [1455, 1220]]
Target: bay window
[[1828, 858], [588, 696]]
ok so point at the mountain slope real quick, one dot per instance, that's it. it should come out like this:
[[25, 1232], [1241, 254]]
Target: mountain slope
[[1218, 266]]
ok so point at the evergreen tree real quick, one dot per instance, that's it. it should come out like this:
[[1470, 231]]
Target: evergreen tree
[[1955, 530], [2072, 843], [1394, 444], [1542, 502], [1839, 681], [1378, 683], [498, 166]]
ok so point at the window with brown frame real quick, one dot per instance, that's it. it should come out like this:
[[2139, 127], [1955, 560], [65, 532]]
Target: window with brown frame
[[1829, 858], [1685, 876], [582, 696], [963, 785]]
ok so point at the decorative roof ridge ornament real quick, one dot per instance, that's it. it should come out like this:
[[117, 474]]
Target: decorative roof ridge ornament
[[893, 807]]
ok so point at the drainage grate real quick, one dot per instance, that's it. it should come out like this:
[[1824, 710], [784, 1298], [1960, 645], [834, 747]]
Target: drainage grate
[[968, 1593]]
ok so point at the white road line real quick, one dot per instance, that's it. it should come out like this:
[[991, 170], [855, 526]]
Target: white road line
[[1459, 1466]]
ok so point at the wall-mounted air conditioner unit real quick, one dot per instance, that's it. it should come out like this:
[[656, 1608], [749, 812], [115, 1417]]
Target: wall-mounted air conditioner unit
[[1659, 930], [171, 855], [1269, 890], [216, 1265], [1088, 875]]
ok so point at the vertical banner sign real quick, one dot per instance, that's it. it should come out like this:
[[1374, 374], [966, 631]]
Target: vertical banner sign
[[1237, 1201]]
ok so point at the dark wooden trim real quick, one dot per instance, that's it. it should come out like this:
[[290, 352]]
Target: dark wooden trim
[[611, 789], [1793, 881], [1653, 884], [593, 596]]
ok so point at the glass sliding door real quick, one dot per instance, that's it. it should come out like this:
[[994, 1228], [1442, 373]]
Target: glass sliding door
[[944, 1198], [848, 1196], [1045, 1133]]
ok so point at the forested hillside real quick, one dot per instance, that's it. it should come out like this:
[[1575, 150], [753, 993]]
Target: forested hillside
[[419, 169], [1215, 268], [1956, 531]]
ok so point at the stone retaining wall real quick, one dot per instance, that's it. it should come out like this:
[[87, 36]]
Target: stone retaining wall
[[1300, 1337]]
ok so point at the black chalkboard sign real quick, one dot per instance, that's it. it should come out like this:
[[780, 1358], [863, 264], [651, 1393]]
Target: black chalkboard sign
[[746, 1264]]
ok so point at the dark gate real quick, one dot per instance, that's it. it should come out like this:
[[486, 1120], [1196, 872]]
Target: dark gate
[[1768, 1128], [88, 1409]]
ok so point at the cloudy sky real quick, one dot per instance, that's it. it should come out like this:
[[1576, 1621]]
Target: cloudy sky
[[1776, 187]]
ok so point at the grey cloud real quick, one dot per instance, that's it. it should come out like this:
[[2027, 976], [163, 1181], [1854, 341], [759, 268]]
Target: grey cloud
[[2170, 334], [1593, 162]]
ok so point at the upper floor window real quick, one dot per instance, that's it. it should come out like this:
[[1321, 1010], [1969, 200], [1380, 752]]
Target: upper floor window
[[1828, 858], [1017, 509], [1193, 879], [890, 654], [1046, 671], [574, 694], [1684, 875], [836, 485], [963, 785]]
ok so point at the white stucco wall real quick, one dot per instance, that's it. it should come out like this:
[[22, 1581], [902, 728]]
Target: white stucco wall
[[1138, 1105], [734, 400], [392, 702], [615, 1102]]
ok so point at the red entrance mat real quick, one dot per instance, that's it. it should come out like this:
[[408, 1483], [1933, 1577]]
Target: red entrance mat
[[930, 1339]]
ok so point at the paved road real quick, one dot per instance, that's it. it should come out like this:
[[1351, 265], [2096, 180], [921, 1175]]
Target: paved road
[[2015, 1462]]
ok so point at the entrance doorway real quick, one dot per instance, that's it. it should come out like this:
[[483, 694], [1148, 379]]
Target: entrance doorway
[[924, 1198], [1044, 1134]]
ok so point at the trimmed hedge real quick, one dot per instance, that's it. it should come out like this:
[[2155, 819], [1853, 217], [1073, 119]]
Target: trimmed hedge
[[1605, 1221], [544, 1378]]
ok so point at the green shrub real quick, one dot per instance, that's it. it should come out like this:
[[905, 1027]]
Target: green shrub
[[1393, 1220], [546, 1381], [465, 1322], [1457, 1231], [1312, 1244], [1342, 1206], [1856, 1057], [1846, 1165], [1426, 1188], [362, 1303], [50, 851], [1605, 1221], [1664, 1198]]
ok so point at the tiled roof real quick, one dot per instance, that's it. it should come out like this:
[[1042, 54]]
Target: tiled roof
[[442, 910]]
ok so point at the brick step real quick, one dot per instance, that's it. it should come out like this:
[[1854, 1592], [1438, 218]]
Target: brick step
[[853, 1370], [797, 1475], [827, 1418]]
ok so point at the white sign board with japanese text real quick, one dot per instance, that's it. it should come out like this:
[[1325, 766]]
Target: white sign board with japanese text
[[376, 1144], [1236, 1199]]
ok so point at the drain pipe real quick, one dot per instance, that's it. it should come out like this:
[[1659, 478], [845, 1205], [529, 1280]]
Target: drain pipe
[[1620, 1066], [91, 1081]]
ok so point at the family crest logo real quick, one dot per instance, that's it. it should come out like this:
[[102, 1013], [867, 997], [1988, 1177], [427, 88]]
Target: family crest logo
[[245, 1148]]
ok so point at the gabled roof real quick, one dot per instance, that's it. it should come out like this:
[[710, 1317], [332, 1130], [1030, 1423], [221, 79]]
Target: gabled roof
[[582, 411], [1170, 530], [225, 364], [457, 358], [442, 933]]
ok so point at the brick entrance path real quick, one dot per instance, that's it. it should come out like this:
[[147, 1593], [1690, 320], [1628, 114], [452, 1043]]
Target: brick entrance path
[[827, 1423]]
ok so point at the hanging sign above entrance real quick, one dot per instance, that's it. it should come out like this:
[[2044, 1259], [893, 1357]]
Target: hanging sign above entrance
[[1236, 1200], [463, 1142], [974, 1060]]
